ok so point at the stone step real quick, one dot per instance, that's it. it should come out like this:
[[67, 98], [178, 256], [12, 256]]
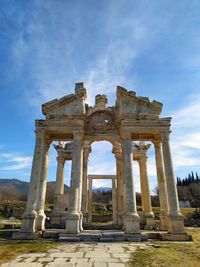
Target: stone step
[[97, 236], [69, 239]]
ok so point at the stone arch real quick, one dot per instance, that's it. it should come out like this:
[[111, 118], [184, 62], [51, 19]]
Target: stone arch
[[131, 118]]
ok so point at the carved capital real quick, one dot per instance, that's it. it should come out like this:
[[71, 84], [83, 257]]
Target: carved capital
[[77, 135], [165, 137], [125, 135], [157, 143], [143, 159], [41, 135]]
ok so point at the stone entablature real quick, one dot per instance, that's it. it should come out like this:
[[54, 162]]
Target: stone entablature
[[75, 125]]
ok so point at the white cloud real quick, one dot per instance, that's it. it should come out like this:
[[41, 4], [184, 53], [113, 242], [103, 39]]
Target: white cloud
[[14, 161], [58, 61], [185, 140]]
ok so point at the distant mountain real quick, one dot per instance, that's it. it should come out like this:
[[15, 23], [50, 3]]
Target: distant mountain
[[15, 189], [102, 189]]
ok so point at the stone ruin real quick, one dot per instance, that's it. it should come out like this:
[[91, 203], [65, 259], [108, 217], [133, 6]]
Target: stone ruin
[[76, 125]]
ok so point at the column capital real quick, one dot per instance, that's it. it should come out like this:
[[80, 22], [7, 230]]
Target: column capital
[[42, 134], [157, 143], [142, 159], [77, 135], [125, 135], [165, 136]]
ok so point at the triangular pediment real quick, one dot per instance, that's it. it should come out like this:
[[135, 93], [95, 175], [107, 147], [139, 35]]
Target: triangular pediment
[[129, 104], [68, 105]]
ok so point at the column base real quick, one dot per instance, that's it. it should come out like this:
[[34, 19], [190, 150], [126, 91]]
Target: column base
[[164, 222], [58, 219], [149, 221], [40, 221], [120, 218], [29, 222], [73, 223], [28, 228], [131, 223], [176, 223]]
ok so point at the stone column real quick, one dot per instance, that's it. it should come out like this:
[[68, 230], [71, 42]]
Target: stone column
[[59, 190], [131, 218], [162, 189], [30, 215], [86, 152], [176, 220], [120, 183], [73, 218], [145, 193], [114, 200], [90, 201], [42, 186]]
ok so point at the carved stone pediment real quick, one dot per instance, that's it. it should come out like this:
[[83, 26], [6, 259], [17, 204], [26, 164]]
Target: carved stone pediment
[[69, 105], [129, 104]]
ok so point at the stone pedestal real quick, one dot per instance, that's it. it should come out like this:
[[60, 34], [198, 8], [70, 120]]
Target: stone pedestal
[[58, 219], [164, 223], [27, 230], [131, 223], [176, 223], [73, 223]]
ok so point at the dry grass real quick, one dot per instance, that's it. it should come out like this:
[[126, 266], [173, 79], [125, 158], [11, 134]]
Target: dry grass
[[167, 254], [11, 249]]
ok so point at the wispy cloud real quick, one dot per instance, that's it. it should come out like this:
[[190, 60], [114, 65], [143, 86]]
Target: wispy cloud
[[60, 55], [186, 134], [14, 161]]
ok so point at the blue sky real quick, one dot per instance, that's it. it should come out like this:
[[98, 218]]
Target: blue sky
[[152, 47]]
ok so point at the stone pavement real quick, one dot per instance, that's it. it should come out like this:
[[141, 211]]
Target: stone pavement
[[80, 255]]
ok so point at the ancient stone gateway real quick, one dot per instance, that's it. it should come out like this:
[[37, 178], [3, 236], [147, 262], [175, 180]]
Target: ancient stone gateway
[[75, 125]]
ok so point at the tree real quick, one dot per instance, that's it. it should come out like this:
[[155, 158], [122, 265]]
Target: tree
[[194, 190]]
